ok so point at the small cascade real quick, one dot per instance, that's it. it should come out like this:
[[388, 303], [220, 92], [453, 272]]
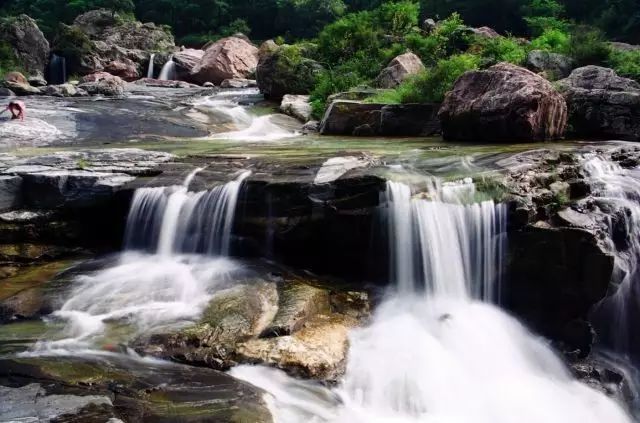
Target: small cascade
[[168, 71], [237, 124], [164, 289], [448, 247], [618, 195], [57, 70], [151, 66], [170, 220], [433, 351]]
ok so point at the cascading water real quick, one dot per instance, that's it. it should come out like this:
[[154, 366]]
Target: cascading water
[[167, 288], [57, 70], [151, 65], [433, 352], [169, 220], [168, 71], [224, 108], [617, 192]]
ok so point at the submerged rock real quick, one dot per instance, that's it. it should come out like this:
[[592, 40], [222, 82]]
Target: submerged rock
[[602, 104], [504, 103]]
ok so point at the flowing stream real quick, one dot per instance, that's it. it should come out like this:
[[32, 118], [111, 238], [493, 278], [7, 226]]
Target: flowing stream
[[159, 281], [436, 350]]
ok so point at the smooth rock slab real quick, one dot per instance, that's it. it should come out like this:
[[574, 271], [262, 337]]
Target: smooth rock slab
[[297, 106]]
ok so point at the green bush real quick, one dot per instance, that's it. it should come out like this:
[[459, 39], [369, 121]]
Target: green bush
[[451, 36], [398, 18], [625, 63], [552, 39], [502, 49], [432, 84], [329, 82], [8, 60], [587, 46]]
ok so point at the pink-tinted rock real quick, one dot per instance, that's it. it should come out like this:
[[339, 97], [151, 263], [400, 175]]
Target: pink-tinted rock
[[99, 76], [124, 68], [485, 32], [188, 58], [226, 59], [504, 103]]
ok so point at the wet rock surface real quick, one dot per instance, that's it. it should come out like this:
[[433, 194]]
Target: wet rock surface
[[100, 389]]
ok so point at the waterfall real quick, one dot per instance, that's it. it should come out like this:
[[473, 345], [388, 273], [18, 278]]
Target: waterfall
[[617, 191], [150, 69], [168, 71], [167, 287], [449, 248], [57, 70], [436, 350], [169, 220]]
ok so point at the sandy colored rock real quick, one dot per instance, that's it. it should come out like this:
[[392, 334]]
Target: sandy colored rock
[[227, 58]]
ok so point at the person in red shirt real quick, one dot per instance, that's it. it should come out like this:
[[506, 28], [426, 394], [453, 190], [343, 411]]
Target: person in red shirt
[[17, 109]]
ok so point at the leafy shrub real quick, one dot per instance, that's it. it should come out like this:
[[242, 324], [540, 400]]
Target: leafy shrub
[[398, 18], [329, 82], [432, 84], [451, 36], [625, 63], [8, 60], [502, 49], [587, 46], [552, 39]]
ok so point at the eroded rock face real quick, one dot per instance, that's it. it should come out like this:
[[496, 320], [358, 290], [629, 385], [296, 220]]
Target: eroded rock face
[[29, 45], [228, 58], [602, 104], [398, 70], [504, 103], [278, 74]]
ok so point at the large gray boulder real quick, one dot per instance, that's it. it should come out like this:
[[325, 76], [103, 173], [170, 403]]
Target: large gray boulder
[[551, 65], [285, 70], [228, 58], [398, 70], [30, 47], [602, 104], [504, 103]]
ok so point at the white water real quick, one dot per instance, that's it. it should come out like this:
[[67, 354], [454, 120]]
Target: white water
[[224, 108], [619, 189], [150, 68], [168, 71], [143, 292], [169, 220], [439, 355]]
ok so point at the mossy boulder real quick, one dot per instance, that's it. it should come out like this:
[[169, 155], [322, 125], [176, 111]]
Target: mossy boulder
[[286, 69]]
